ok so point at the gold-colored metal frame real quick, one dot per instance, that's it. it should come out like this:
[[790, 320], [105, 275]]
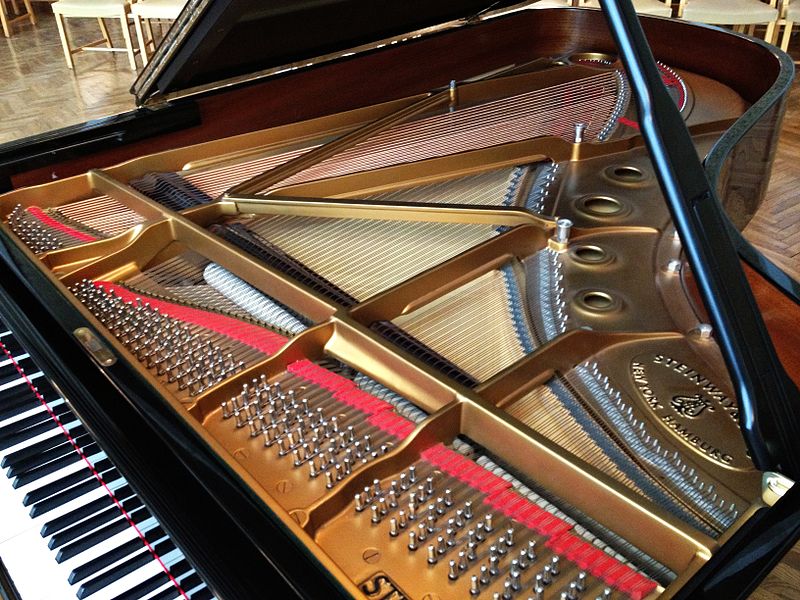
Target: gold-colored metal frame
[[345, 335]]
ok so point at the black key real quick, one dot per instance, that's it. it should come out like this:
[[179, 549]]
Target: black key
[[92, 539], [16, 400], [11, 344], [30, 432], [10, 372], [95, 521], [54, 465], [75, 491], [190, 582], [65, 482], [123, 568], [87, 510], [49, 449], [201, 594], [112, 556], [34, 450], [44, 415], [156, 581]]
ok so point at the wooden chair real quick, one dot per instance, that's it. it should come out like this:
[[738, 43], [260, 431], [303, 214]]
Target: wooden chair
[[7, 19], [94, 9], [554, 4], [658, 8], [790, 14], [739, 13], [144, 11]]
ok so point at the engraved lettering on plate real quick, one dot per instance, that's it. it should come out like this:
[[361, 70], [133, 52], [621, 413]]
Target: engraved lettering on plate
[[691, 407]]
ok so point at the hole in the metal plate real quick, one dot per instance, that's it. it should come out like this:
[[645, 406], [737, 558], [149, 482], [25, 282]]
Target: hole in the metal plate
[[602, 205], [627, 174], [598, 300], [590, 254]]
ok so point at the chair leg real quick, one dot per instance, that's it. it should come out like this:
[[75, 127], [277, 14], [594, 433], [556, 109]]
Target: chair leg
[[137, 24], [31, 14], [4, 19], [126, 33], [62, 33], [787, 33], [104, 31], [15, 7], [770, 34], [152, 38]]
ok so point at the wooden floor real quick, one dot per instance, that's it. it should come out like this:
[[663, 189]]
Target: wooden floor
[[38, 93]]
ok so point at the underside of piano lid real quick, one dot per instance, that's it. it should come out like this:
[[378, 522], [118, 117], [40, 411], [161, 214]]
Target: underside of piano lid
[[452, 339]]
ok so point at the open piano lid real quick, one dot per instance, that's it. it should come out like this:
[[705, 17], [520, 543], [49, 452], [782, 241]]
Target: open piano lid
[[217, 43]]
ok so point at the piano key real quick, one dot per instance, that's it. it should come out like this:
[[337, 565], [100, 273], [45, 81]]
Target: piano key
[[16, 400], [93, 539], [33, 377], [129, 565], [67, 481], [72, 510], [34, 450], [48, 504], [44, 452], [42, 427], [158, 582], [38, 472], [134, 578], [115, 554], [10, 344], [10, 371], [101, 518], [74, 516], [58, 408]]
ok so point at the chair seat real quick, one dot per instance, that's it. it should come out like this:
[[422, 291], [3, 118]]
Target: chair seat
[[552, 4], [94, 8], [793, 11], [158, 9], [729, 12], [645, 7]]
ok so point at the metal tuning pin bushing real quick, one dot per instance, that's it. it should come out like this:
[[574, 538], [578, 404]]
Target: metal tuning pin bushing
[[580, 132], [562, 233]]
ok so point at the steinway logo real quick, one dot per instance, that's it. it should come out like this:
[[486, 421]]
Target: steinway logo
[[691, 406], [380, 587]]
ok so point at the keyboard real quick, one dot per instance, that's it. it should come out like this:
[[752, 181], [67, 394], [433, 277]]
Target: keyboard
[[70, 524]]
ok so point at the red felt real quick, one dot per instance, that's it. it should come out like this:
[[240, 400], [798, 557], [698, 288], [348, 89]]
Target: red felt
[[46, 219]]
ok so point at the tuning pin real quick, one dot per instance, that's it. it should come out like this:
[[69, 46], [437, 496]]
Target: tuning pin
[[412, 540], [452, 570]]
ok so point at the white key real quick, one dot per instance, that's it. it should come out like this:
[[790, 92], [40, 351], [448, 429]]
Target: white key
[[31, 376]]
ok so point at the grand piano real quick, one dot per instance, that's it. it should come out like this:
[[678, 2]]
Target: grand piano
[[437, 300]]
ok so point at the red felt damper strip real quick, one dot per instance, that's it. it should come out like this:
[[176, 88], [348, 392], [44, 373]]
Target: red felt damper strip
[[4, 352], [46, 219], [344, 390], [254, 336]]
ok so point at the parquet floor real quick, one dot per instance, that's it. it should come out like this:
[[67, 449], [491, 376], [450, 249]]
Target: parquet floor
[[37, 90], [38, 93]]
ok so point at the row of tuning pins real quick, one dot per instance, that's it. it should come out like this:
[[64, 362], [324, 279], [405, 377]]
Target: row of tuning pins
[[169, 346], [33, 234], [299, 430]]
